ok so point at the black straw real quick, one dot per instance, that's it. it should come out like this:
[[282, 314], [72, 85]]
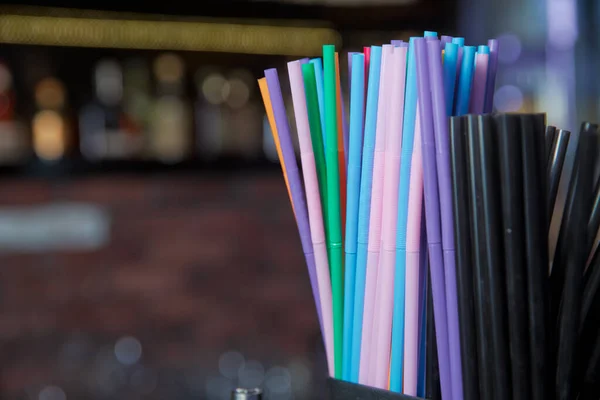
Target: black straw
[[555, 166], [536, 249], [511, 183], [550, 138], [570, 307], [464, 267]]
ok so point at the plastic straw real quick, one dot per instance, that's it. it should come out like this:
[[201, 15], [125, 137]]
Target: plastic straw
[[440, 123], [513, 222], [569, 317], [465, 80], [436, 263], [430, 34], [422, 373], [318, 64], [374, 243], [491, 76], [536, 248], [365, 206], [594, 220], [555, 167], [479, 83], [312, 103], [296, 189], [464, 270], [481, 299], [450, 62], [354, 170], [333, 207], [264, 91], [550, 138], [391, 174], [408, 143], [314, 204], [342, 145], [445, 39], [413, 267]]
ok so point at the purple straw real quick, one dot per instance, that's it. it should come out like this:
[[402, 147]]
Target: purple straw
[[442, 151], [491, 77], [479, 83], [432, 211], [396, 43], [445, 39], [296, 190]]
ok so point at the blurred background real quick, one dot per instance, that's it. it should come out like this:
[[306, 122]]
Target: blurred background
[[147, 245]]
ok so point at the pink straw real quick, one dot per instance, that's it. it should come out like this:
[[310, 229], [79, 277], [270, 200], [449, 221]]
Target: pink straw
[[385, 292], [366, 372], [479, 83], [313, 200], [413, 243]]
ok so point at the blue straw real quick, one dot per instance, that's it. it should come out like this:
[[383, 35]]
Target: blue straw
[[318, 63], [357, 109], [450, 60], [364, 207], [430, 34], [408, 133], [483, 49], [465, 81], [459, 41]]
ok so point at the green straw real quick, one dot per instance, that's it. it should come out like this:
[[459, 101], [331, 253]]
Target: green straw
[[314, 121], [333, 205]]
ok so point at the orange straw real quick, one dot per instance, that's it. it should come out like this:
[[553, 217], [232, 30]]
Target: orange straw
[[264, 91], [341, 156]]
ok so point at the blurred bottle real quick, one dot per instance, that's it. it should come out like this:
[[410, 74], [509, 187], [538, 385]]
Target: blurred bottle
[[51, 126], [212, 88], [137, 97], [170, 121], [14, 144], [243, 115], [246, 394], [106, 131]]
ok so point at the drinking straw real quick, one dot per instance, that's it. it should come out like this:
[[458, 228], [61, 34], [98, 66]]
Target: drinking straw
[[391, 177], [464, 270], [367, 53], [491, 76], [591, 378], [422, 379], [430, 34], [555, 166], [460, 41], [318, 64], [480, 291], [413, 267], [570, 308], [374, 241], [364, 207], [450, 62], [465, 80], [479, 83], [492, 257], [440, 125], [314, 204], [408, 132], [436, 263], [594, 220], [342, 145], [550, 138], [536, 250], [298, 199], [312, 103], [354, 170], [590, 291], [513, 218], [350, 55], [433, 390], [333, 206], [264, 91], [445, 39]]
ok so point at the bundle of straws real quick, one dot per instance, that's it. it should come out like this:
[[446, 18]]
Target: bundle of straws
[[370, 183], [427, 237]]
